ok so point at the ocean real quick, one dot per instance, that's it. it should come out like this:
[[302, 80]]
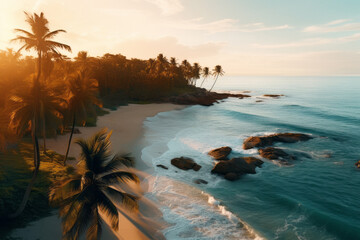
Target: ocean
[[317, 197]]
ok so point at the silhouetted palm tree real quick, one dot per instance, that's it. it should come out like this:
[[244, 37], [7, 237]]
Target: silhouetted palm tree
[[83, 93], [186, 70], [173, 62], [25, 110], [161, 63], [205, 74], [83, 59], [93, 190], [217, 71], [40, 38], [196, 69]]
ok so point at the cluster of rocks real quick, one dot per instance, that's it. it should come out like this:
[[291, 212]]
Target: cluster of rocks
[[263, 141], [203, 97], [232, 169], [357, 164]]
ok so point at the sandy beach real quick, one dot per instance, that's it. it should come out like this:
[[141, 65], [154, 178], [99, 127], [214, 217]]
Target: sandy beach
[[126, 124]]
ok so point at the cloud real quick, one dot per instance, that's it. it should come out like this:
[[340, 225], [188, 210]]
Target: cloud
[[311, 42], [341, 25], [168, 7], [226, 25], [169, 46]]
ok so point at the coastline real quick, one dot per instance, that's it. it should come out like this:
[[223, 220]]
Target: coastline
[[126, 124]]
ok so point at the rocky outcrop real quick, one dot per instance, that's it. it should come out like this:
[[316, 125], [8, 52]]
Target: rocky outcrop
[[185, 163], [273, 95], [272, 153], [220, 153], [357, 164], [263, 141], [202, 97], [162, 166], [200, 181], [232, 176], [236, 167]]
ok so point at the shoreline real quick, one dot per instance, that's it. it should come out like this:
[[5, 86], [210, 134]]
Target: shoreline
[[126, 124]]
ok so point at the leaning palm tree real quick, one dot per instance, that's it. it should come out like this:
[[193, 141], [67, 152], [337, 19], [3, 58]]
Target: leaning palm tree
[[51, 110], [83, 93], [205, 74], [217, 71], [92, 193], [40, 38], [25, 109]]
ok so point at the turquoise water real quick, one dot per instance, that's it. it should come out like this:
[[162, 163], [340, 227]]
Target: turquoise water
[[315, 198]]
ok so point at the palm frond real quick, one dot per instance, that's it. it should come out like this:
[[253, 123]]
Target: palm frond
[[109, 209], [58, 45], [95, 229], [120, 176], [126, 199], [53, 33], [28, 34], [118, 161]]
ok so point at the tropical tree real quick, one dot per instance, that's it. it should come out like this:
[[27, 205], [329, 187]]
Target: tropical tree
[[82, 59], [40, 38], [196, 69], [161, 63], [92, 192], [217, 71], [205, 74], [173, 62], [186, 70], [82, 97], [24, 108]]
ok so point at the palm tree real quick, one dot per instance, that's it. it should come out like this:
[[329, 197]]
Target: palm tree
[[205, 73], [217, 71], [83, 93], [40, 39], [186, 68], [173, 62], [161, 63], [24, 108], [51, 109], [82, 58], [196, 69], [93, 191]]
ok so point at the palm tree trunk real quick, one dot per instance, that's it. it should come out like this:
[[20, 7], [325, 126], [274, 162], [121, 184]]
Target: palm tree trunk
[[33, 179], [214, 83], [71, 135], [39, 67], [44, 138], [202, 82], [43, 127]]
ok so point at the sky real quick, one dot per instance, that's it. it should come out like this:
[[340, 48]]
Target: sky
[[246, 37]]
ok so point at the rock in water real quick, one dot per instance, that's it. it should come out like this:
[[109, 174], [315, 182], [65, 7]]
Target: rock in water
[[231, 176], [275, 153], [185, 163], [273, 95], [200, 181], [357, 164], [263, 141], [220, 153], [237, 166], [162, 166]]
